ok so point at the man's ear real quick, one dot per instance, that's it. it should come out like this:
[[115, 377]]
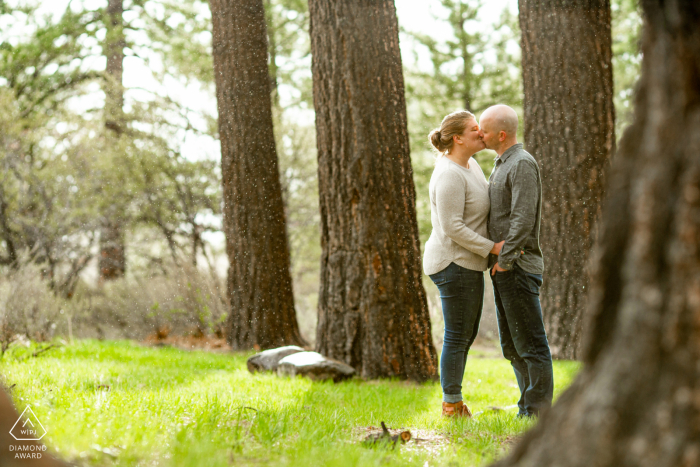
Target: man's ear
[[502, 136]]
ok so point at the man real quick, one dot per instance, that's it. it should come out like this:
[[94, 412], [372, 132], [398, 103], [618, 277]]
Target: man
[[516, 204]]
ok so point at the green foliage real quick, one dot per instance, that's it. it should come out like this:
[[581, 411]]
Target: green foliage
[[178, 38], [45, 71], [627, 58], [46, 192], [118, 403], [65, 171], [46, 196], [473, 70], [289, 52]]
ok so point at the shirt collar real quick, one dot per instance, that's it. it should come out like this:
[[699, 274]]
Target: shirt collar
[[503, 157]]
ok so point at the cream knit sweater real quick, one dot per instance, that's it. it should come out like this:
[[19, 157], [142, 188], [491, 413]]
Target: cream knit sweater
[[459, 208]]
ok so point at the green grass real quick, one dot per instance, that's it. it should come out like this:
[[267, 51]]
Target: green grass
[[179, 408]]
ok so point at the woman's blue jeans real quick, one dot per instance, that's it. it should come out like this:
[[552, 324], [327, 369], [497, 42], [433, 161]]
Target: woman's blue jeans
[[462, 297]]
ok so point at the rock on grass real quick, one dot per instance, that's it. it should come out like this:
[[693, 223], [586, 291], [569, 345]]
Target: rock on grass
[[314, 366], [269, 359]]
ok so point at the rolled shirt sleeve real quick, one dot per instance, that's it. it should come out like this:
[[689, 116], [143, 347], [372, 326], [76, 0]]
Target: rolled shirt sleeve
[[524, 201], [450, 195]]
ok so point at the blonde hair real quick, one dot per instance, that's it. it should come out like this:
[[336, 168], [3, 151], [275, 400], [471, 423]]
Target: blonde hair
[[453, 124]]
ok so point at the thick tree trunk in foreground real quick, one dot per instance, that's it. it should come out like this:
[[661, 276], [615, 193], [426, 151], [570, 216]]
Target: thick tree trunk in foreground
[[8, 458], [259, 283], [637, 399], [570, 129], [112, 260], [372, 308]]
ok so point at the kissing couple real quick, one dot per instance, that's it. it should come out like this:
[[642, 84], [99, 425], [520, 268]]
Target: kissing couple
[[493, 225]]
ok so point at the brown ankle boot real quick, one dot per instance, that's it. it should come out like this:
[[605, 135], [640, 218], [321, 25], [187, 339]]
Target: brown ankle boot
[[458, 409]]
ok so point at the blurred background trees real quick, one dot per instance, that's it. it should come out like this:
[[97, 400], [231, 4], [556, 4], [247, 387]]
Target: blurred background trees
[[160, 177]]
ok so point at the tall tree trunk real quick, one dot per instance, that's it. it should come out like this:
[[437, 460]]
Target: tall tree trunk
[[569, 127], [112, 260], [259, 282], [8, 456], [372, 308], [637, 400]]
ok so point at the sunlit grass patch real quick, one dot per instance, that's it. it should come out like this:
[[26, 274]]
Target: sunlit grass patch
[[122, 404]]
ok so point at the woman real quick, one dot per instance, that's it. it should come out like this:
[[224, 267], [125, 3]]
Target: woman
[[456, 253]]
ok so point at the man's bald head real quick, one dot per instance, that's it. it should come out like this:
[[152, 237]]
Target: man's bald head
[[501, 118], [499, 127]]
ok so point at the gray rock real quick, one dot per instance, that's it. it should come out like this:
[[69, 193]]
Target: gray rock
[[269, 359], [315, 366]]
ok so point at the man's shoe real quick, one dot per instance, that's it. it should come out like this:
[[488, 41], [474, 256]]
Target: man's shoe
[[458, 409]]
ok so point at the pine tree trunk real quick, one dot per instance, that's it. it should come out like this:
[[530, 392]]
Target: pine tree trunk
[[637, 400], [372, 308], [259, 282], [112, 260], [569, 128]]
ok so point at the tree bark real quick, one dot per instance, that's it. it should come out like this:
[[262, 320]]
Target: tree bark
[[112, 260], [373, 312], [637, 400], [8, 419], [259, 282], [569, 128]]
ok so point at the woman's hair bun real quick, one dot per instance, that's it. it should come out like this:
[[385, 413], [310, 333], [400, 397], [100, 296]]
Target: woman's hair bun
[[436, 139]]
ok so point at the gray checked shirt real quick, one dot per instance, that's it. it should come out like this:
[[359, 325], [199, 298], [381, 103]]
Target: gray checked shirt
[[515, 190]]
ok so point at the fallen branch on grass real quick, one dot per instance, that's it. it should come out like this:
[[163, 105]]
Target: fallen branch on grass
[[386, 438], [39, 352]]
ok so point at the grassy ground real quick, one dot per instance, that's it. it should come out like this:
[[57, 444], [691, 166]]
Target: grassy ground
[[122, 404]]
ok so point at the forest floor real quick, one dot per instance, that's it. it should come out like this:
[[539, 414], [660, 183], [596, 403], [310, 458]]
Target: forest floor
[[122, 403]]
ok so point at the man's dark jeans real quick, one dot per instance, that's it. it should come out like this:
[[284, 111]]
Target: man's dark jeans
[[462, 297], [523, 338]]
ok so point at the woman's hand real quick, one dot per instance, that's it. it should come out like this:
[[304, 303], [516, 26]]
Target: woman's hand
[[497, 248]]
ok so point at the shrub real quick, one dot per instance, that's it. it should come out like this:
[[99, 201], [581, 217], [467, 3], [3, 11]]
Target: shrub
[[28, 308], [181, 300]]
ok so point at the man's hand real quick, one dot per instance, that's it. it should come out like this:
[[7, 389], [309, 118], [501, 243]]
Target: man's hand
[[495, 268]]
